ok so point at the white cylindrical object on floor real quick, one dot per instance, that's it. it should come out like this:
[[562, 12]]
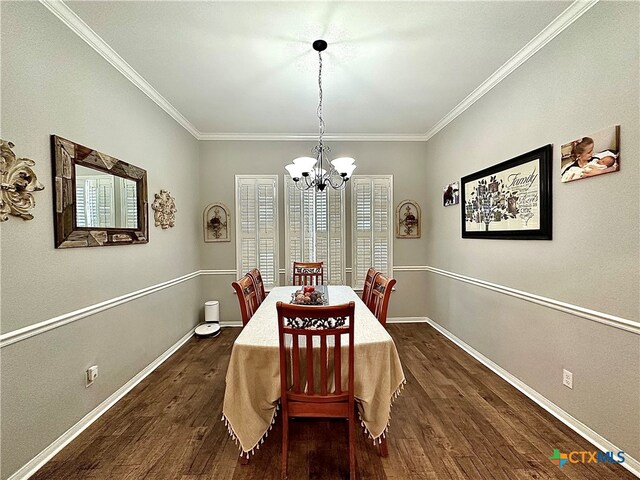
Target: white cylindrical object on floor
[[212, 311]]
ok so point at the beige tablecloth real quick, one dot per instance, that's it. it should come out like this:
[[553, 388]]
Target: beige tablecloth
[[252, 392]]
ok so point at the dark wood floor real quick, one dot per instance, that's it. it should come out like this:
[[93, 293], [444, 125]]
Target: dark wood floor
[[454, 420]]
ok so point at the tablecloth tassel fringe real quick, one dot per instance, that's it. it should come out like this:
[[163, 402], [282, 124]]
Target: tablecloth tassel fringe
[[378, 440], [236, 440], [398, 391]]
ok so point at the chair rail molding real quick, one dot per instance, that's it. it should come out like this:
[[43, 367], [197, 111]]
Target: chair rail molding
[[15, 336], [593, 315], [18, 335], [219, 272]]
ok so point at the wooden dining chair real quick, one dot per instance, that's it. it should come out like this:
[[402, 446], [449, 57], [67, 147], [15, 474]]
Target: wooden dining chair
[[299, 381], [368, 284], [247, 297], [308, 273], [379, 299], [259, 284]]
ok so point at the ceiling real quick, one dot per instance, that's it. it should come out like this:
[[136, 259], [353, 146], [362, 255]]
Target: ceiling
[[247, 68]]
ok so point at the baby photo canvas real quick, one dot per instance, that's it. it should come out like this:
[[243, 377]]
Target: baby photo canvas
[[593, 155]]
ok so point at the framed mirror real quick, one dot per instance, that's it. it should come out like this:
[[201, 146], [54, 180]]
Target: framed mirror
[[99, 200]]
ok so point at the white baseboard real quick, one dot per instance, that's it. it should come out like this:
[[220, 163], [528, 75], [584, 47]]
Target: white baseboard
[[48, 453], [407, 320], [574, 424], [231, 323]]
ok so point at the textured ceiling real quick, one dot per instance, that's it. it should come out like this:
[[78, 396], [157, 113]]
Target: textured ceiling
[[248, 67]]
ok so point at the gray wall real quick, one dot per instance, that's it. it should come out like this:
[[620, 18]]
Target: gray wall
[[54, 83], [220, 161], [584, 80]]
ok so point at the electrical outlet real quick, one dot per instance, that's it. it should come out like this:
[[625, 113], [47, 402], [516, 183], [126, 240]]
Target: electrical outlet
[[92, 374], [567, 378]]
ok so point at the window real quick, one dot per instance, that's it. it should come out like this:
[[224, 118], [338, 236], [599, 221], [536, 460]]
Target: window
[[315, 230], [372, 225], [257, 226], [105, 201]]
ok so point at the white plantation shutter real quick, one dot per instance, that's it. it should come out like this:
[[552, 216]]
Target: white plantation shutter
[[314, 230], [81, 202], [372, 218], [106, 207], [96, 193], [330, 234], [130, 204], [257, 226]]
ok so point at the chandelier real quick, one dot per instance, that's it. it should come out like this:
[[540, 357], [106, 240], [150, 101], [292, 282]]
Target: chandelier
[[309, 172]]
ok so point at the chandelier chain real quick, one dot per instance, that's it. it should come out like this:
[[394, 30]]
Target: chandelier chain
[[319, 110]]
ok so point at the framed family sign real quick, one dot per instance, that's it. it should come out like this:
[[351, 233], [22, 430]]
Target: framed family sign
[[510, 200]]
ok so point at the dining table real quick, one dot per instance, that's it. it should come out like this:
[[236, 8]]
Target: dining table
[[253, 390]]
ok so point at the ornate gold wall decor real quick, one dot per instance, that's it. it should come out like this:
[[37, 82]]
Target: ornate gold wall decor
[[408, 218], [164, 208], [17, 182], [217, 223]]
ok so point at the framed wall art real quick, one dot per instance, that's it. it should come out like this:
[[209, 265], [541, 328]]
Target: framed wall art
[[451, 194], [217, 223], [408, 218], [511, 200], [98, 199], [587, 157]]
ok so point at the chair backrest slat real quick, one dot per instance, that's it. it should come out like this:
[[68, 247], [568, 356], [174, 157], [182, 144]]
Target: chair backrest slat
[[368, 285], [295, 356], [337, 360], [309, 354], [380, 294], [259, 284], [308, 273], [323, 365], [246, 290]]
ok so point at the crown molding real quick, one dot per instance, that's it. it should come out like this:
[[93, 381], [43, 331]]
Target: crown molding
[[78, 26], [562, 21], [304, 137], [86, 33]]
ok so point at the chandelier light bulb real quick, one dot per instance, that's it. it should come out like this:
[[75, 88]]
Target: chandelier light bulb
[[348, 171], [342, 163], [305, 164], [294, 170]]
